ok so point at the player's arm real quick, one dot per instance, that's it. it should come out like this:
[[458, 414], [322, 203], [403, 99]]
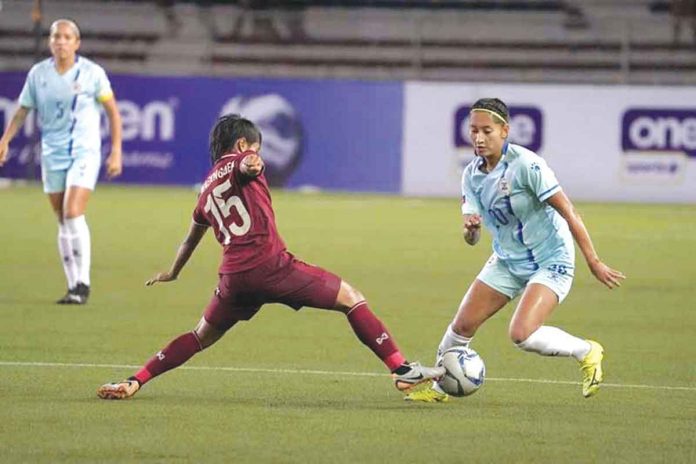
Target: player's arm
[[186, 249], [608, 276], [15, 124], [114, 163], [251, 165], [472, 228]]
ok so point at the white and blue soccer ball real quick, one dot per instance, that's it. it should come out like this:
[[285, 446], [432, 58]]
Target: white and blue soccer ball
[[464, 371]]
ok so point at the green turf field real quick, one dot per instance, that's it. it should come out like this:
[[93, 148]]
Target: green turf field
[[251, 397]]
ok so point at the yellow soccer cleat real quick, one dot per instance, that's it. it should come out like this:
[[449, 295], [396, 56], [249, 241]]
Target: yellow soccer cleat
[[427, 395], [591, 367], [119, 390]]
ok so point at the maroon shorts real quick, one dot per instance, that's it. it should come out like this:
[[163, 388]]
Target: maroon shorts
[[281, 279]]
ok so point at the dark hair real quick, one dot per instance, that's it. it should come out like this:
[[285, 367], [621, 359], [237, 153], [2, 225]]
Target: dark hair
[[495, 105], [227, 130]]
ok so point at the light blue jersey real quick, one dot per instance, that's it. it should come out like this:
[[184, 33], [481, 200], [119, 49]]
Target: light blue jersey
[[68, 106], [527, 232]]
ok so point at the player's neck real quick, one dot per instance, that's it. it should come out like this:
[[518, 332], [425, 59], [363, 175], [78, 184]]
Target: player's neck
[[62, 66], [491, 162]]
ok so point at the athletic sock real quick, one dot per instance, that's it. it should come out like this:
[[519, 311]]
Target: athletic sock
[[451, 339], [370, 330], [81, 244], [67, 256], [552, 341], [173, 355]]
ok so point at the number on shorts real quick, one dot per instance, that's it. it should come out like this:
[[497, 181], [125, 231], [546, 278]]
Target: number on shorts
[[558, 268], [221, 210]]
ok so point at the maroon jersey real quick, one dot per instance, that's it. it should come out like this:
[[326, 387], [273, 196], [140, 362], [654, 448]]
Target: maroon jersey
[[239, 210]]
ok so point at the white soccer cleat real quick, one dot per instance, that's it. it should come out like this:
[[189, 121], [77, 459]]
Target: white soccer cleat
[[416, 375]]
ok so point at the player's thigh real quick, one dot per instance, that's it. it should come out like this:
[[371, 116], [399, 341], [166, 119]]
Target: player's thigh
[[230, 303], [56, 200], [297, 284], [536, 305], [75, 202], [545, 289], [480, 302], [79, 183]]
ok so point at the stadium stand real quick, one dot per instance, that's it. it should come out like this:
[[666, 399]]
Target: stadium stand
[[592, 41]]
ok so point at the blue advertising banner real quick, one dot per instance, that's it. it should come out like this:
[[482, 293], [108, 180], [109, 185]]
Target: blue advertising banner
[[328, 134]]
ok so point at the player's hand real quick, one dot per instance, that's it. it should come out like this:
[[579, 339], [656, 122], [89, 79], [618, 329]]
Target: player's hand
[[160, 277], [252, 165], [114, 164], [608, 276], [4, 149], [472, 222]]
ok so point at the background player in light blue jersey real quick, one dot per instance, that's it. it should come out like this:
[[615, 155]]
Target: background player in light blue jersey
[[513, 192], [66, 90]]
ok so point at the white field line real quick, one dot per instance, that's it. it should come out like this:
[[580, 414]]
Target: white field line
[[315, 372]]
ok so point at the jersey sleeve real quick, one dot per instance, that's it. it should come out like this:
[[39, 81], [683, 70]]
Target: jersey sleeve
[[27, 98], [103, 91], [469, 204], [540, 179], [198, 216]]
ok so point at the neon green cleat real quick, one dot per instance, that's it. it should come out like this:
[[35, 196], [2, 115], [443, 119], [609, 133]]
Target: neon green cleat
[[591, 367], [427, 395]]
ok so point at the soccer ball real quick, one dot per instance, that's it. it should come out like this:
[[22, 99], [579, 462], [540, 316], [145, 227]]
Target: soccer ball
[[464, 371]]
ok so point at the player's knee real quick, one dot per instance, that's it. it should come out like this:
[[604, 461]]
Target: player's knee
[[207, 334], [348, 296], [71, 212], [519, 332], [464, 328]]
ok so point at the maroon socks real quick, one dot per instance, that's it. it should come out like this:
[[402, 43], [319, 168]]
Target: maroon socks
[[173, 355], [375, 335]]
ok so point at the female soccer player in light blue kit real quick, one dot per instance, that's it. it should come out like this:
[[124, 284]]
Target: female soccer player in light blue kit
[[66, 91], [513, 192]]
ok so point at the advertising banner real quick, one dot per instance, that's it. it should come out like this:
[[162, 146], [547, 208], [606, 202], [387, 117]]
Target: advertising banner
[[326, 134], [605, 143]]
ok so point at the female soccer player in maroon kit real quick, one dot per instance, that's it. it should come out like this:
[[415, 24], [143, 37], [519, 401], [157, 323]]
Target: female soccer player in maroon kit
[[256, 267]]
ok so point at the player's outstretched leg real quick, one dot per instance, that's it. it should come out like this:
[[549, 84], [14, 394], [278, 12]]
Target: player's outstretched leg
[[180, 350], [591, 367]]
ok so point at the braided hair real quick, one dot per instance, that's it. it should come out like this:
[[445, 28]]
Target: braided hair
[[495, 107]]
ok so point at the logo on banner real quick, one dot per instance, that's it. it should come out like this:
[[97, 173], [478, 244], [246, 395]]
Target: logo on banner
[[526, 127], [657, 143], [281, 128], [145, 125]]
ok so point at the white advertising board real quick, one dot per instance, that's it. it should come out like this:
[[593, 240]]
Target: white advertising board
[[605, 143]]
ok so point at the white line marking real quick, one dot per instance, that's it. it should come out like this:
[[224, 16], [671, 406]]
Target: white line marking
[[315, 372]]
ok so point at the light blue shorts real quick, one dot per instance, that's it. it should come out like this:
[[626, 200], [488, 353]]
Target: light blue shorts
[[555, 273], [82, 171]]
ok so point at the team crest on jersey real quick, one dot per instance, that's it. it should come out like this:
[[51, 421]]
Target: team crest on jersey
[[504, 187], [77, 88]]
